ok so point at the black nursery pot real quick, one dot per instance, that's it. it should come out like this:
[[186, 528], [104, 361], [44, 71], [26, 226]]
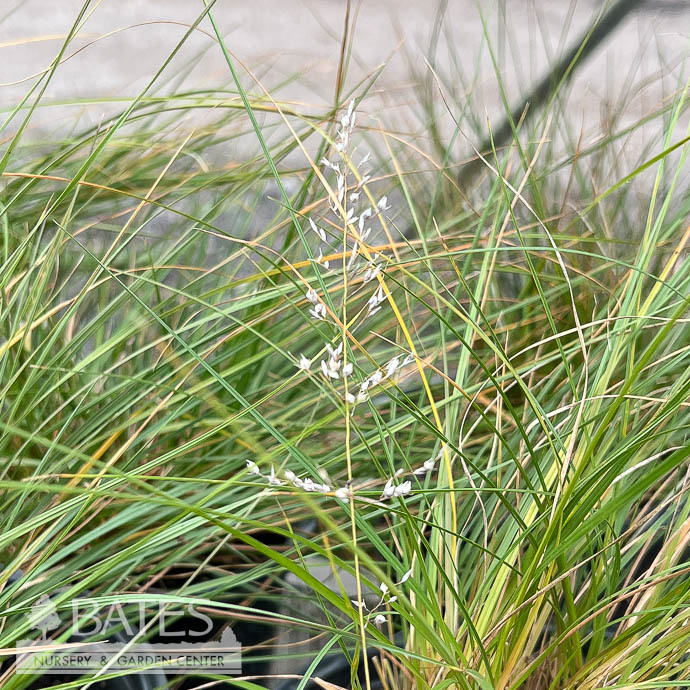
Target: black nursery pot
[[249, 633], [335, 669]]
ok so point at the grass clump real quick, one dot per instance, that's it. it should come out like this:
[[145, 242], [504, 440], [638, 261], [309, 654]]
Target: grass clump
[[469, 397]]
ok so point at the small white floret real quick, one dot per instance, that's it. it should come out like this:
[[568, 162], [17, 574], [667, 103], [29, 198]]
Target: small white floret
[[383, 203], [272, 479], [353, 257], [376, 378], [427, 467], [253, 468], [403, 489], [330, 368], [392, 366], [375, 300], [319, 311], [319, 231], [332, 166], [343, 493]]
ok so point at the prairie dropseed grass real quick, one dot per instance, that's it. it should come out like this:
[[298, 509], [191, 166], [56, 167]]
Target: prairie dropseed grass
[[470, 393]]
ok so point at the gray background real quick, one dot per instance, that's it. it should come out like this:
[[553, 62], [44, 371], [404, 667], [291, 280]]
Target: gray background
[[124, 41]]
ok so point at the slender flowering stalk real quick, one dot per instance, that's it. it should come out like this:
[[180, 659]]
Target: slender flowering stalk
[[347, 201]]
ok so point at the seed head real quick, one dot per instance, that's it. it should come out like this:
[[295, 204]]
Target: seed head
[[319, 231], [383, 203], [403, 489], [406, 576], [392, 366], [427, 467], [375, 300], [318, 311], [330, 165], [253, 468], [376, 378], [272, 479], [343, 493]]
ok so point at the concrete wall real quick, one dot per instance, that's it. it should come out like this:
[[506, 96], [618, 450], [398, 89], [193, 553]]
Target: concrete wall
[[123, 42]]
